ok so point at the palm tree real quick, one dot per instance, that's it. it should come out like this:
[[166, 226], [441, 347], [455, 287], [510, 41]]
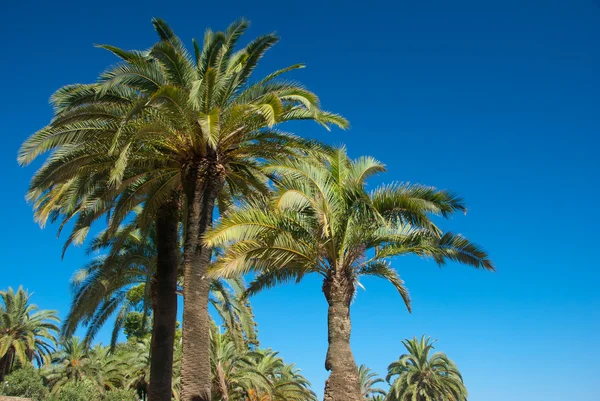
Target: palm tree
[[253, 375], [161, 124], [286, 381], [420, 376], [27, 334], [368, 380], [70, 363], [76, 361], [321, 220]]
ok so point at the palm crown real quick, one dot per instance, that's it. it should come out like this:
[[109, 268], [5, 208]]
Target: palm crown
[[321, 220], [423, 377], [157, 118]]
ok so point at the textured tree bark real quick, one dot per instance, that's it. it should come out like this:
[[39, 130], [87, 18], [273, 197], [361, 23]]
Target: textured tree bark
[[343, 383], [165, 303], [203, 182]]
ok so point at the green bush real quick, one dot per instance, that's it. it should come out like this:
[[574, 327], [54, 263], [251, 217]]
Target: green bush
[[80, 391], [25, 382], [120, 395]]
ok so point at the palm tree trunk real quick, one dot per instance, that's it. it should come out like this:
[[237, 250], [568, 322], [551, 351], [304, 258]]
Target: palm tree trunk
[[203, 182], [165, 308], [4, 365], [343, 383]]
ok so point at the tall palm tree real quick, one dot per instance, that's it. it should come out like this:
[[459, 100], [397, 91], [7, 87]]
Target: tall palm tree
[[322, 220], [368, 381], [165, 124], [26, 333], [420, 376]]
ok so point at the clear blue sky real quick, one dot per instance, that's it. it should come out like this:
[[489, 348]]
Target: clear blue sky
[[497, 100]]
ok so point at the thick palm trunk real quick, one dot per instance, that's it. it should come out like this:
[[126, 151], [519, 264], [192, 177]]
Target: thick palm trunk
[[343, 383], [165, 305], [202, 184]]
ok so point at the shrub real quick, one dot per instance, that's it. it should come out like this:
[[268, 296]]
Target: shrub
[[80, 391], [25, 382], [120, 395]]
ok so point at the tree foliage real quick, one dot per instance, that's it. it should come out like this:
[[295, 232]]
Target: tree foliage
[[25, 382]]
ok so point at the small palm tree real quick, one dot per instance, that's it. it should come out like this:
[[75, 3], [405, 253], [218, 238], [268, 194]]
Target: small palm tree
[[26, 333], [253, 375], [233, 370], [419, 376], [368, 380], [76, 361], [71, 363], [323, 221]]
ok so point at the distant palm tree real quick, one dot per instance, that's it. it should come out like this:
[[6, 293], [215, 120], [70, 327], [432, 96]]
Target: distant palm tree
[[70, 363], [368, 380], [76, 361], [26, 333], [322, 220], [419, 376], [170, 130], [108, 283], [137, 361], [253, 375]]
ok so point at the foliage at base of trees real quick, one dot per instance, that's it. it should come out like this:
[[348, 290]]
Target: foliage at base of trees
[[25, 382], [121, 395], [83, 390]]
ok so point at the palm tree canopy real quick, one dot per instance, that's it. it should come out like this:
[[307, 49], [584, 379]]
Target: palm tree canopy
[[422, 376], [323, 220], [26, 333], [131, 137]]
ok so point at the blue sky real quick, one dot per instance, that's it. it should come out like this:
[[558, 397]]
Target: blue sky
[[498, 101]]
